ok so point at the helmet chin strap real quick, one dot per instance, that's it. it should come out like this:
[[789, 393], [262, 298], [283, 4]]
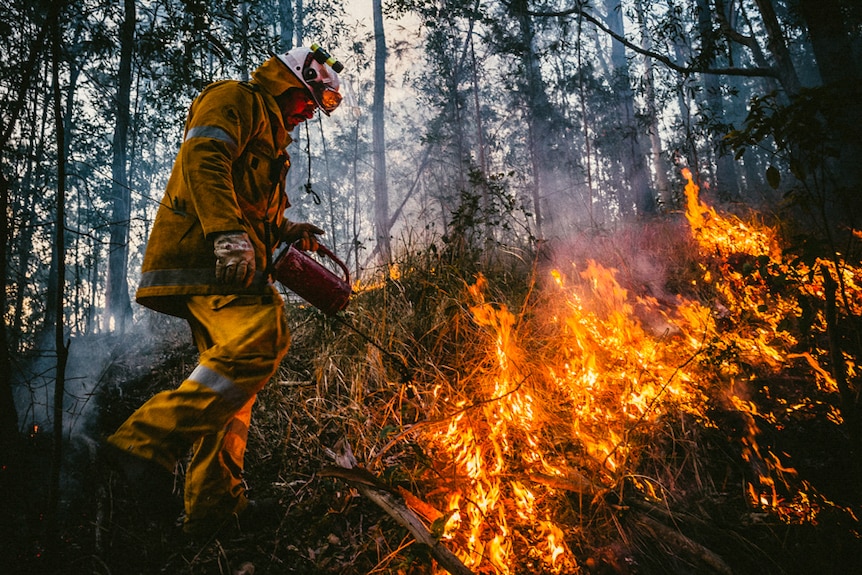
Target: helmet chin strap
[[308, 189]]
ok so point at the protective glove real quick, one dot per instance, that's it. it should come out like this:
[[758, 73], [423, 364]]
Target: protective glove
[[304, 233], [234, 258]]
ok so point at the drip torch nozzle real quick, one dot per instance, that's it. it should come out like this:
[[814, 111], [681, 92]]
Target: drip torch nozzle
[[323, 57]]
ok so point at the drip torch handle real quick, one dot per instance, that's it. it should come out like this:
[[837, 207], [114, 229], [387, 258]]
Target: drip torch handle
[[322, 249]]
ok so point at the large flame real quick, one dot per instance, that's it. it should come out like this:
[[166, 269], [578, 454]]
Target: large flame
[[570, 392]]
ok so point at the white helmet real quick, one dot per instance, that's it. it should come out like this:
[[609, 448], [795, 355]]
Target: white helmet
[[318, 71]]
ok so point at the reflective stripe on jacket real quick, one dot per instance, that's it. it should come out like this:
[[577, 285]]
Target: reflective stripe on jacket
[[228, 176]]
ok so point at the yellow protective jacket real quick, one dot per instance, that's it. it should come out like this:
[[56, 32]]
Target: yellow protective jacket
[[228, 176]]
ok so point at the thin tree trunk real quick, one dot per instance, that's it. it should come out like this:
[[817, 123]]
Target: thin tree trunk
[[639, 198], [725, 173], [480, 142], [354, 172], [749, 41], [480, 131], [244, 59], [119, 306], [582, 99], [298, 18], [53, 288], [537, 108], [61, 347], [381, 192], [26, 80], [25, 217], [8, 414], [659, 165], [15, 109], [285, 15], [778, 47]]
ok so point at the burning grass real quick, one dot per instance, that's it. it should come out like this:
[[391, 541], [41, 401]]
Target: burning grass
[[670, 398], [599, 416]]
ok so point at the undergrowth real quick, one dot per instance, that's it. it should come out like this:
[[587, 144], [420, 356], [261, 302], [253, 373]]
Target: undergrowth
[[403, 362]]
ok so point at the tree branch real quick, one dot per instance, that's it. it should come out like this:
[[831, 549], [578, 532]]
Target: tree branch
[[682, 69], [392, 503]]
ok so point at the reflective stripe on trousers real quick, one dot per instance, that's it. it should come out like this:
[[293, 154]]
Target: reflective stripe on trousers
[[242, 340]]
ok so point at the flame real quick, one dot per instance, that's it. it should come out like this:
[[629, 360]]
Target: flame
[[566, 395]]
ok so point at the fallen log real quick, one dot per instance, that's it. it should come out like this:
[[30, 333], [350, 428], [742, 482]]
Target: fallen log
[[392, 503]]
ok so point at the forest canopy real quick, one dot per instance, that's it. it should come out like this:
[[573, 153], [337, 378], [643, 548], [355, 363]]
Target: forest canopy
[[510, 122]]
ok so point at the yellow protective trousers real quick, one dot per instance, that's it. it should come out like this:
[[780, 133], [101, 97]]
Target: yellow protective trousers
[[241, 339]]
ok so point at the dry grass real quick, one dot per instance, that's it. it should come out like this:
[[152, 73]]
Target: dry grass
[[676, 503]]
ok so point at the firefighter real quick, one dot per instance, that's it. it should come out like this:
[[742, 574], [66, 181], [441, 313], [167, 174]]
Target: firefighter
[[206, 261]]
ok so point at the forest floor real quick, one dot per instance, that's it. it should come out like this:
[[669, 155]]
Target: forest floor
[[104, 528], [335, 385]]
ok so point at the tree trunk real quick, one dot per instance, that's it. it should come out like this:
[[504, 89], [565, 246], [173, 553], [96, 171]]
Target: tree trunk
[[727, 17], [285, 16], [354, 176], [830, 39], [244, 59], [537, 108], [61, 348], [53, 288], [8, 414], [119, 306], [725, 173], [298, 17], [639, 198], [15, 104], [25, 217], [480, 131], [841, 74], [665, 197], [15, 108], [381, 192], [778, 47], [480, 144]]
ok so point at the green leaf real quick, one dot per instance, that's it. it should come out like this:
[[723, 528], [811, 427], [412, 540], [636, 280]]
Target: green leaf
[[773, 177]]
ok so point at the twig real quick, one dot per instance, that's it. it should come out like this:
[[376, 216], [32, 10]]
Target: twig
[[655, 398], [447, 417], [393, 504]]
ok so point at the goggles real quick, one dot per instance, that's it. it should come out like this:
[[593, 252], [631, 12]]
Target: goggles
[[325, 96]]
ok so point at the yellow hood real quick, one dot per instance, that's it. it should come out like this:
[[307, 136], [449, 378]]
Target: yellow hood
[[275, 77]]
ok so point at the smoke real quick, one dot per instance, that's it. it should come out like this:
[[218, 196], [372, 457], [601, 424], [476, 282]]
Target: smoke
[[88, 371], [34, 385], [34, 381], [96, 364], [99, 367]]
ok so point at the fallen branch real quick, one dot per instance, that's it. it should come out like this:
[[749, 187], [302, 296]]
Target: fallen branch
[[694, 550], [392, 503]]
